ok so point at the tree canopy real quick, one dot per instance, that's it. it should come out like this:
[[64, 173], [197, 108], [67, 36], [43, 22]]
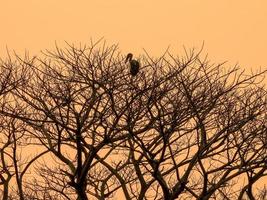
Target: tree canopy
[[76, 125]]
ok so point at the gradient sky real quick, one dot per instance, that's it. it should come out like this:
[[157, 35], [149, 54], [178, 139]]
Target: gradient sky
[[233, 30]]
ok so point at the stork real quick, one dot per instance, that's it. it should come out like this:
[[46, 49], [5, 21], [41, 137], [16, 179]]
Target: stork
[[134, 64]]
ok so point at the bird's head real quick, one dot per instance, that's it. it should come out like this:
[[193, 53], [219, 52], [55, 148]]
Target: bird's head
[[129, 57]]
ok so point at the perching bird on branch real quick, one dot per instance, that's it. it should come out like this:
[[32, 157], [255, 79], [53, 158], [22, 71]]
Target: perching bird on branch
[[134, 64]]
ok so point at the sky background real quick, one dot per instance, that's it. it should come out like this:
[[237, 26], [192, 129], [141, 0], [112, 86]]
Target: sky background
[[234, 31]]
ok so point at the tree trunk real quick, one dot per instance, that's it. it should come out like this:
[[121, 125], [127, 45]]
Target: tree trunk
[[81, 192], [5, 193], [249, 192]]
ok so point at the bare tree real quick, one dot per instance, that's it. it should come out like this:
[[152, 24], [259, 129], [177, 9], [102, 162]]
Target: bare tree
[[15, 163], [182, 128], [8, 82]]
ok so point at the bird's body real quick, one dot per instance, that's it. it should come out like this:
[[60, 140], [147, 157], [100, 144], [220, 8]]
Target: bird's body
[[134, 67], [134, 64]]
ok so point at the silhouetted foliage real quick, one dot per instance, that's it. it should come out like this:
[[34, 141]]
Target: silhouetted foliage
[[180, 128]]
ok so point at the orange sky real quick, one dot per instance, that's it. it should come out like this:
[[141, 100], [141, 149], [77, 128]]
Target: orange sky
[[233, 30]]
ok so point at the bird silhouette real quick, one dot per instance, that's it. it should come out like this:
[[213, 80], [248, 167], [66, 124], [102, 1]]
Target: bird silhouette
[[134, 64]]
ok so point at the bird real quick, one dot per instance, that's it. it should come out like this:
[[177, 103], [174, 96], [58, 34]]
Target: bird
[[134, 64]]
